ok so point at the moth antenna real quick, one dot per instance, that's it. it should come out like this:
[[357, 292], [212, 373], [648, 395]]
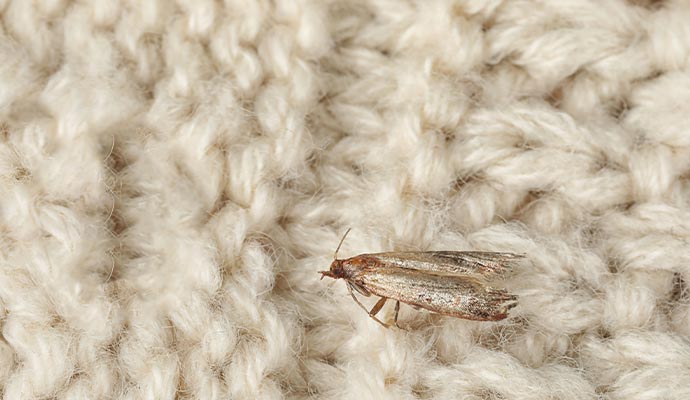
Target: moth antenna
[[335, 256]]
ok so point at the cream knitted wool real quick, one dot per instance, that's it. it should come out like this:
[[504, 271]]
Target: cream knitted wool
[[173, 174]]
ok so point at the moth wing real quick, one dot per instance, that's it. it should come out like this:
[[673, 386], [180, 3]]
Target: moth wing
[[483, 262], [459, 296], [486, 264]]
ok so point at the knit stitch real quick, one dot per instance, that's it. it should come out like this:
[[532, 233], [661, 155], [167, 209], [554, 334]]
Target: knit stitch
[[173, 174]]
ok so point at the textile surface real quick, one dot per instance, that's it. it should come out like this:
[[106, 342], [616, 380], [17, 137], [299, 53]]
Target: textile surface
[[173, 175]]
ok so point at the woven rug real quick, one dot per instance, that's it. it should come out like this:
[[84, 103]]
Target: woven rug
[[173, 175]]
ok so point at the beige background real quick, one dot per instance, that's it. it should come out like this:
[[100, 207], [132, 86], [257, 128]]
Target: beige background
[[174, 173]]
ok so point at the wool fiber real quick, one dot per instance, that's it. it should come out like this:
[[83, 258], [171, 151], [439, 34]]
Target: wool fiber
[[173, 174]]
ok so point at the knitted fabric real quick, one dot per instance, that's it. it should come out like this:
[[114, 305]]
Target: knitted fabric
[[173, 174]]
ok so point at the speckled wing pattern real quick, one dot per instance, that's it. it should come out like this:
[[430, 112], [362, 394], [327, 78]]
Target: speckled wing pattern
[[484, 263], [445, 282]]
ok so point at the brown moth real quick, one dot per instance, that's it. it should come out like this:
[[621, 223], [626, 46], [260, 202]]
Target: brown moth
[[451, 283]]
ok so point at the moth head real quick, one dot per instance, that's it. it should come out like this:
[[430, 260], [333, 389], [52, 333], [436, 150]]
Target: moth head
[[335, 271]]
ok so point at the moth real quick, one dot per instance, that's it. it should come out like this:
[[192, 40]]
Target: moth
[[453, 283]]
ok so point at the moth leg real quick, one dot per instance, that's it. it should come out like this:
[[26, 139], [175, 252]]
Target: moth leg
[[360, 289], [397, 310], [349, 289], [377, 307]]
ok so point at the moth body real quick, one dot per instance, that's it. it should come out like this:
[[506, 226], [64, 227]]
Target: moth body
[[453, 283]]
